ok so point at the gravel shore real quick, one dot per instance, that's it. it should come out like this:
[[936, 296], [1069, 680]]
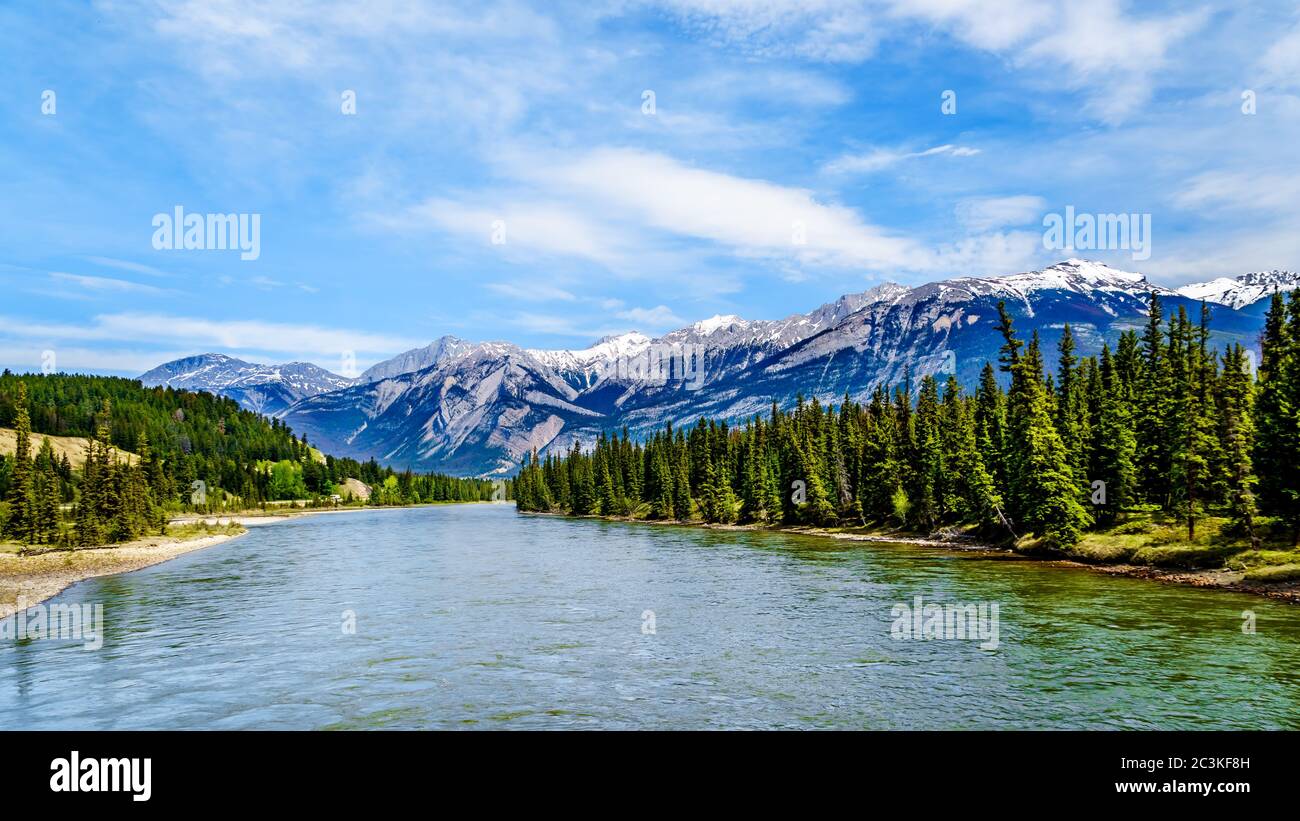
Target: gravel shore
[[33, 579]]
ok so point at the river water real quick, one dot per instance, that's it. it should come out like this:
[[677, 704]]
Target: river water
[[473, 616]]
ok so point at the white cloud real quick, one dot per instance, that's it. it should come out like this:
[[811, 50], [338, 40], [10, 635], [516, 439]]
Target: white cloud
[[1268, 191], [827, 30], [532, 291], [992, 25], [657, 318], [639, 211], [881, 158], [559, 325], [529, 226], [1094, 46], [103, 284], [794, 87], [1281, 63], [74, 359], [997, 212], [126, 265], [1114, 54], [747, 217], [204, 334]]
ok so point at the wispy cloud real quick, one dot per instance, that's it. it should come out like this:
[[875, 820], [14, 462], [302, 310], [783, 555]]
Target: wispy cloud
[[103, 284], [1254, 190], [1097, 46], [25, 358], [529, 226], [882, 158], [657, 318], [826, 30], [127, 265], [1280, 64], [198, 334], [983, 214], [531, 291]]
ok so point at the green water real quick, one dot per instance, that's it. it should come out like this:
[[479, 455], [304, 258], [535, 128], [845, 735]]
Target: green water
[[476, 617]]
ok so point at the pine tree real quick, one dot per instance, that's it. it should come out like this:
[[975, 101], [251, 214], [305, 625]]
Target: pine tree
[[1114, 443], [681, 480], [1202, 448], [990, 423], [20, 523], [86, 516], [1042, 489], [925, 488], [1277, 413], [1154, 400], [1069, 406], [1236, 429], [975, 495], [45, 496]]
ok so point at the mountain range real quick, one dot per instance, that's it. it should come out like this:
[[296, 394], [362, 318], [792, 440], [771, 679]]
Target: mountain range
[[266, 389], [475, 408]]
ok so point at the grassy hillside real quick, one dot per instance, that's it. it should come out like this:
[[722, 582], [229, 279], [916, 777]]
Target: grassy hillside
[[74, 447]]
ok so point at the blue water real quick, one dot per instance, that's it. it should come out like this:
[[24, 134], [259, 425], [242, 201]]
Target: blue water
[[473, 616]]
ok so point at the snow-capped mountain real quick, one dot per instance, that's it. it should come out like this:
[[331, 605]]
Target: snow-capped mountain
[[416, 359], [477, 408], [582, 369], [266, 389], [1242, 291], [474, 413]]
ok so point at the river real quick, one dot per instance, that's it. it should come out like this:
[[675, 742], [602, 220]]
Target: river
[[473, 616]]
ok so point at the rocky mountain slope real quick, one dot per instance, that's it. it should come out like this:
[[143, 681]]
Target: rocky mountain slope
[[477, 408], [267, 389]]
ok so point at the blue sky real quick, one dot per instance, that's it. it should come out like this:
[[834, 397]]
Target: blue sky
[[771, 120]]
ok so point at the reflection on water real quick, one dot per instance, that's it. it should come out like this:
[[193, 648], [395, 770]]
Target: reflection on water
[[474, 616]]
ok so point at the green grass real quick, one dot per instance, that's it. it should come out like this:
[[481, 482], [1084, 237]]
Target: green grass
[[1149, 537], [195, 530], [1274, 573]]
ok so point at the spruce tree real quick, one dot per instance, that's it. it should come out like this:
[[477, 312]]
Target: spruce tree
[[975, 495], [1042, 489], [1277, 413], [1154, 400], [1236, 430], [925, 488], [20, 524], [45, 496], [1114, 444]]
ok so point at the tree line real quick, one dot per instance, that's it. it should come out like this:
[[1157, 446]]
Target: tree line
[[1161, 422], [239, 460]]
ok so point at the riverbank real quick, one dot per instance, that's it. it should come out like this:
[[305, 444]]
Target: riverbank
[[32, 579], [257, 516], [1142, 547]]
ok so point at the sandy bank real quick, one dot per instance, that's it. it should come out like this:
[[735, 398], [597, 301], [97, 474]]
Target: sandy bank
[[33, 579]]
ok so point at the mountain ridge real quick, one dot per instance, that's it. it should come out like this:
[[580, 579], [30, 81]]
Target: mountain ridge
[[478, 407]]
